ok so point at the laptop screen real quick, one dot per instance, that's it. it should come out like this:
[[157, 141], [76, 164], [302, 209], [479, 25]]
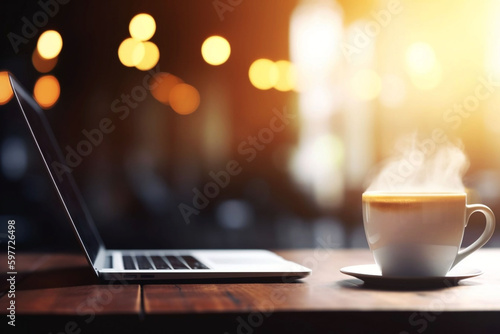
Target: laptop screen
[[64, 182]]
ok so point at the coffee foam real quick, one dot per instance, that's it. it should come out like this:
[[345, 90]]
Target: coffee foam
[[422, 166], [377, 196], [408, 201]]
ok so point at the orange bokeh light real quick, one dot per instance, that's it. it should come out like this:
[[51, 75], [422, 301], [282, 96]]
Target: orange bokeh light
[[47, 91], [41, 64], [6, 92], [163, 84], [184, 99]]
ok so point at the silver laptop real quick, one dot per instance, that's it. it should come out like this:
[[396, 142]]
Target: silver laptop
[[110, 264]]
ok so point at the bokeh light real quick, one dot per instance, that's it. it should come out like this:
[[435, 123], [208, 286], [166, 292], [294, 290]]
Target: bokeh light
[[150, 58], [142, 27], [47, 91], [6, 92], [263, 74], [184, 99], [131, 52], [316, 35], [215, 50], [286, 76], [41, 64], [420, 58], [49, 44], [162, 84], [366, 84], [422, 66]]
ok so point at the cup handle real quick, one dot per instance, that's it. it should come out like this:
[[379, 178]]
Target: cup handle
[[487, 233]]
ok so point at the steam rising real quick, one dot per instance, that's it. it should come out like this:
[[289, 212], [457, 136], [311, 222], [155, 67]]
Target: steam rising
[[423, 166]]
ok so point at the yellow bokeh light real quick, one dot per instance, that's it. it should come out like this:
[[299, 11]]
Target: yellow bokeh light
[[366, 84], [142, 27], [162, 84], [49, 44], [215, 50], [150, 58], [47, 91], [184, 99], [6, 92], [131, 52], [41, 64], [286, 76], [425, 71], [420, 58], [263, 74]]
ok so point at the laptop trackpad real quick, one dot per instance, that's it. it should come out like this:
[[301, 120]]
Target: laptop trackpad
[[244, 258]]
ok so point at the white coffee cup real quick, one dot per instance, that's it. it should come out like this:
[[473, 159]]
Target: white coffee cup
[[420, 234]]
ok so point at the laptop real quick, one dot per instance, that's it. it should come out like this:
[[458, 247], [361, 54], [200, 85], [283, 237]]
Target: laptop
[[143, 264]]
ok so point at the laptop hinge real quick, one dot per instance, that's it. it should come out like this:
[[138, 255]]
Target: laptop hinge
[[100, 259]]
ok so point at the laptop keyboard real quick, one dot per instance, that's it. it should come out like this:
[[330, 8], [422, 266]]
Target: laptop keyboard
[[168, 262]]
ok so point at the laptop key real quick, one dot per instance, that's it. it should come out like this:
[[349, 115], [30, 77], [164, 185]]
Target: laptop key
[[193, 263], [128, 263], [176, 263], [143, 262], [159, 262]]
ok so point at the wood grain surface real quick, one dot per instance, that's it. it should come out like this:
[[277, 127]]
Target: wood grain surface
[[327, 289], [65, 284]]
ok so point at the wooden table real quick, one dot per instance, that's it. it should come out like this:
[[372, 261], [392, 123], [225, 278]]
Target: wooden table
[[57, 293]]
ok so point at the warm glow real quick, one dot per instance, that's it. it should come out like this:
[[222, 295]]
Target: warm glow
[[491, 120], [420, 58], [366, 84], [6, 92], [315, 38], [286, 76], [161, 86], [425, 72], [316, 35], [131, 52], [316, 104], [492, 59], [142, 27], [327, 151], [215, 50], [317, 166], [263, 74], [393, 92], [41, 64], [427, 80], [47, 91], [151, 56], [184, 99], [49, 44]]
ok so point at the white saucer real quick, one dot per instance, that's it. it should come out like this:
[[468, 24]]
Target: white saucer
[[371, 274]]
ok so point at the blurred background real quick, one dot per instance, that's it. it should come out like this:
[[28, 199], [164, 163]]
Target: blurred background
[[232, 123]]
